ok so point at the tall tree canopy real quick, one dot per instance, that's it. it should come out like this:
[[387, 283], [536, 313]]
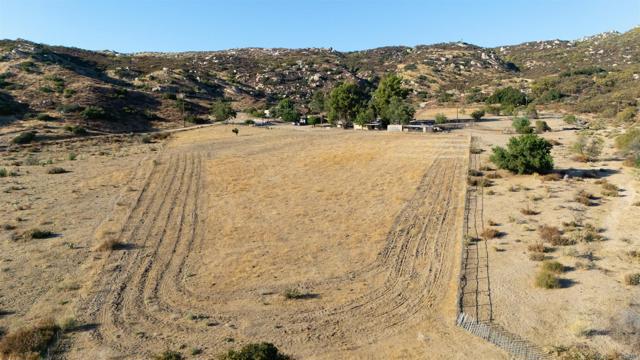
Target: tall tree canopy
[[388, 101], [346, 101], [287, 111]]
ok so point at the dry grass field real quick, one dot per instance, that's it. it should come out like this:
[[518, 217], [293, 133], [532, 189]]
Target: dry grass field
[[328, 243]]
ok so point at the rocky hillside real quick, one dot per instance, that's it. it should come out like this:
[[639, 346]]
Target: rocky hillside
[[109, 91]]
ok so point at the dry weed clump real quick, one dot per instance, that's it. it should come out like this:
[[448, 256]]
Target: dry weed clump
[[547, 280], [610, 190], [554, 267], [30, 343], [536, 256], [38, 234], [549, 233], [56, 170], [584, 198], [529, 211], [473, 172], [537, 248], [551, 177], [490, 233], [493, 175], [107, 240], [588, 233]]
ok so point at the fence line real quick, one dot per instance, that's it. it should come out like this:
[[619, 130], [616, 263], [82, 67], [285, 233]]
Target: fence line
[[518, 347]]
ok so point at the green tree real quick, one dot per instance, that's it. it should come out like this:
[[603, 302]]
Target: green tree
[[389, 90], [398, 111], [477, 115], [441, 118], [222, 110], [522, 125], [312, 120], [345, 102], [507, 96], [317, 104], [365, 116], [287, 111], [525, 154]]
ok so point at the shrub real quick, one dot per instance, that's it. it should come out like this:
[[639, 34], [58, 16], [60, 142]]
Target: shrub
[[24, 138], [70, 108], [76, 130], [553, 267], [632, 279], [222, 110], [441, 118], [94, 112], [56, 170], [627, 115], [549, 233], [44, 117], [507, 96], [3, 172], [474, 172], [537, 247], [522, 125], [587, 148], [261, 351], [531, 112], [293, 294], [542, 126], [547, 280], [536, 256], [168, 355], [552, 177], [249, 122], [146, 139], [609, 189], [477, 115], [584, 198], [570, 119], [528, 211], [490, 233], [39, 234], [235, 131], [30, 343], [524, 154]]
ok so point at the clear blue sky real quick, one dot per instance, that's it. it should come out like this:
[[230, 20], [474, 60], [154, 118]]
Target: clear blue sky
[[179, 25]]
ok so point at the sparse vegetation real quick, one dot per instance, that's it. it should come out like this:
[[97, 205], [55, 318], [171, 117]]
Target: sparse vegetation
[[524, 154], [547, 280], [39, 234], [632, 279], [168, 355], [24, 138], [30, 343], [56, 170], [260, 351]]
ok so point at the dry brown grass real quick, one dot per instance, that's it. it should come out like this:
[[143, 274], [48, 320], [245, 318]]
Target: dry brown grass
[[30, 343], [552, 177], [549, 233], [490, 233], [529, 211], [537, 247], [585, 198]]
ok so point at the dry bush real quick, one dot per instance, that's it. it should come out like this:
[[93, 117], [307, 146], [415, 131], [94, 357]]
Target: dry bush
[[553, 267], [537, 248], [588, 233], [56, 170], [490, 233], [609, 189], [492, 223], [490, 192], [554, 142], [536, 257], [547, 280], [473, 172], [634, 254], [486, 168], [529, 211], [168, 355], [549, 233], [584, 198], [632, 279], [474, 181], [38, 234], [493, 175], [109, 244], [552, 177], [30, 343], [293, 294]]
